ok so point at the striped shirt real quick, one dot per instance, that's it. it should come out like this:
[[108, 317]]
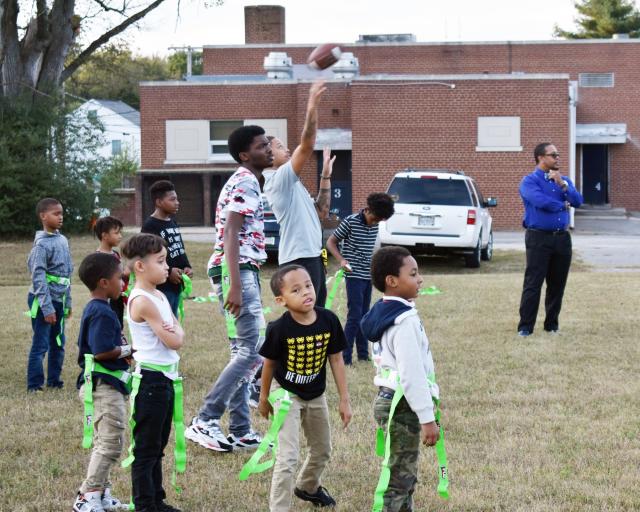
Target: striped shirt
[[357, 240]]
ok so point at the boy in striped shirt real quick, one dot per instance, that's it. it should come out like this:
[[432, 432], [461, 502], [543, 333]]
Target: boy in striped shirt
[[352, 244]]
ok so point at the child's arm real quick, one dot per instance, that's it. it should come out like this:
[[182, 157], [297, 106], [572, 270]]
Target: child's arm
[[340, 376], [143, 310], [323, 201], [264, 407], [117, 353], [332, 245], [38, 269]]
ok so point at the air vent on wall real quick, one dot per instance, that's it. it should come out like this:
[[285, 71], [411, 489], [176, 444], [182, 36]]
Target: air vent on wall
[[595, 79]]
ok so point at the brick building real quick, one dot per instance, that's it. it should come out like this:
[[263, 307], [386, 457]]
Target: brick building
[[479, 107]]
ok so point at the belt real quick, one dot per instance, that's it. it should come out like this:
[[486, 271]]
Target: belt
[[549, 232]]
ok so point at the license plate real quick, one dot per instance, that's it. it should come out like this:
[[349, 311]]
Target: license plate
[[426, 220], [270, 240]]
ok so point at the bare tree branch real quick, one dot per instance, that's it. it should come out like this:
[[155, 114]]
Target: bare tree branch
[[87, 52], [108, 8]]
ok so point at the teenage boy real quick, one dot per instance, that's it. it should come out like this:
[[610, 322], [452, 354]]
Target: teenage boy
[[161, 223], [405, 360], [296, 212], [295, 352], [240, 248], [357, 235], [49, 297], [100, 336]]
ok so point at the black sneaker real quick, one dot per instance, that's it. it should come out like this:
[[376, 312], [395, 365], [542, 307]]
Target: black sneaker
[[34, 390], [165, 507], [320, 499]]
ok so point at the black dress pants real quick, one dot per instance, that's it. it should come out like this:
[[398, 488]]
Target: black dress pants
[[153, 415], [548, 258]]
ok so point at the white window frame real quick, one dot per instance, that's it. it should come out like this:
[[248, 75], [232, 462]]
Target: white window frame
[[484, 139], [221, 157]]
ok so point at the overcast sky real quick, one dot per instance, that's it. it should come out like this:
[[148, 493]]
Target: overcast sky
[[343, 21]]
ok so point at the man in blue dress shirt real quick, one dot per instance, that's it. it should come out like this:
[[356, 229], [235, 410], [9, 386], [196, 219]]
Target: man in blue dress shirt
[[548, 197]]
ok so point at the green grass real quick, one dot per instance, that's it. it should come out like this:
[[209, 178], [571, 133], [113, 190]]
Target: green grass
[[547, 423]]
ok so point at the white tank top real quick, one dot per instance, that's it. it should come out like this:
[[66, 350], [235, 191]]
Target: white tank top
[[149, 348]]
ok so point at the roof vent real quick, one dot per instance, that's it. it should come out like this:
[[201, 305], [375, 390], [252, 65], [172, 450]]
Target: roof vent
[[595, 79], [278, 65], [386, 38], [347, 67], [620, 36]]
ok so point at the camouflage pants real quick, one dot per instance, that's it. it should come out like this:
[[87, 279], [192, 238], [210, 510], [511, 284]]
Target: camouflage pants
[[405, 445]]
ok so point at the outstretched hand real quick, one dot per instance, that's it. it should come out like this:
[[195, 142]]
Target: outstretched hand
[[316, 91], [327, 162]]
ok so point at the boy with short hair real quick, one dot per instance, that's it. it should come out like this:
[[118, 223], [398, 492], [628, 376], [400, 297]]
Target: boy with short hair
[[357, 235], [161, 223], [108, 231], [295, 352], [156, 336], [49, 297], [100, 336], [405, 359]]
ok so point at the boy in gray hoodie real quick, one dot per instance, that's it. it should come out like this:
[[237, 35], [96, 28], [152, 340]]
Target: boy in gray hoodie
[[49, 296]]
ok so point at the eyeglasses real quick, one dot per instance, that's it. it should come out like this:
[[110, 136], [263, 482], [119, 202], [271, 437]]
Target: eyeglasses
[[553, 155]]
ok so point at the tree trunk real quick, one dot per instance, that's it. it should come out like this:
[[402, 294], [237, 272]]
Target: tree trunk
[[62, 36], [10, 49]]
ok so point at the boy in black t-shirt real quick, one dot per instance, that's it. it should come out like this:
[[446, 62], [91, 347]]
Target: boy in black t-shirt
[[165, 200], [100, 335], [296, 350]]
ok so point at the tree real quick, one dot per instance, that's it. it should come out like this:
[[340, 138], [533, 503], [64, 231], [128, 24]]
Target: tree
[[178, 64], [600, 19]]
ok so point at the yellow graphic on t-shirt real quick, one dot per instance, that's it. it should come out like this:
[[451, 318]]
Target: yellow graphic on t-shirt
[[306, 356]]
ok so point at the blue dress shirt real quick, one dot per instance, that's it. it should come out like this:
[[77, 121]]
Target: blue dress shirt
[[544, 202]]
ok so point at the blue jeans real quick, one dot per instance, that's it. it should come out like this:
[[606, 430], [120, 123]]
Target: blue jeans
[[358, 302], [231, 390], [44, 340]]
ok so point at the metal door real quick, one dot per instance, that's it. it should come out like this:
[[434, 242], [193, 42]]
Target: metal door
[[340, 182], [595, 173]]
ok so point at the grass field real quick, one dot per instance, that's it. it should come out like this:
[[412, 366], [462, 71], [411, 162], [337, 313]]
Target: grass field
[[550, 423]]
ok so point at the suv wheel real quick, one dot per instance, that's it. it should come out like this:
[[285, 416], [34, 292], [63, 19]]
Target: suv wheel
[[473, 260], [487, 253]]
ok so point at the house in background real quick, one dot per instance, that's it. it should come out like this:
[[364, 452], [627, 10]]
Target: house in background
[[121, 134]]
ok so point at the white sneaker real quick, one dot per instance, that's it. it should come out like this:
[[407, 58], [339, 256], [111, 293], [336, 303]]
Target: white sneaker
[[248, 441], [88, 502], [208, 434], [110, 502]]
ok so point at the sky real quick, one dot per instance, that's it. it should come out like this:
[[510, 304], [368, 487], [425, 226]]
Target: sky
[[342, 21]]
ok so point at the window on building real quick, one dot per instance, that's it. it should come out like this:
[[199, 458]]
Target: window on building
[[219, 132], [499, 134], [596, 79], [116, 147], [92, 115]]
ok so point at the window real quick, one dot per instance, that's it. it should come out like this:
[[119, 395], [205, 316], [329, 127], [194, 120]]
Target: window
[[499, 134], [92, 116], [116, 147], [219, 132], [430, 191], [595, 79]]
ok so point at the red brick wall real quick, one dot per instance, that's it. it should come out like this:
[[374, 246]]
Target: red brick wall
[[264, 24], [126, 210]]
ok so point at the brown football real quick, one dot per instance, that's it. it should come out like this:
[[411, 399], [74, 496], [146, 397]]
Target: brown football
[[324, 56]]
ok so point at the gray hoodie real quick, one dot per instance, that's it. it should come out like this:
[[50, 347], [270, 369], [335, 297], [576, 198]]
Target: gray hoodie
[[50, 255]]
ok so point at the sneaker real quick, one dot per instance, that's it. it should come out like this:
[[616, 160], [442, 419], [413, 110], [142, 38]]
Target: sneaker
[[320, 499], [208, 434], [552, 331], [88, 502], [524, 333], [165, 507], [249, 441], [34, 390], [110, 502], [254, 395]]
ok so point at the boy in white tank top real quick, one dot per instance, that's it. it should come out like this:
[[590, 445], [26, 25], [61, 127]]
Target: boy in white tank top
[[156, 336]]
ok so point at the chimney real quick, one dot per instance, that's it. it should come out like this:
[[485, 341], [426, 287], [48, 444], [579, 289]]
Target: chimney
[[264, 24]]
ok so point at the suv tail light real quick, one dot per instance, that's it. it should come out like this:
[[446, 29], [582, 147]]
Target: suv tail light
[[471, 217]]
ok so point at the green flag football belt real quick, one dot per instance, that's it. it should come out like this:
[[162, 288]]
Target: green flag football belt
[[185, 293], [339, 277], [35, 305], [180, 449], [383, 448], [280, 400], [91, 368]]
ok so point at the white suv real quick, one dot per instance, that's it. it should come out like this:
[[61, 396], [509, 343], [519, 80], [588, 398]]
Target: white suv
[[439, 212]]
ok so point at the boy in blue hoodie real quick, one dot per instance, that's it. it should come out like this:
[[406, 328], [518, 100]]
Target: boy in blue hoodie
[[49, 296], [403, 359]]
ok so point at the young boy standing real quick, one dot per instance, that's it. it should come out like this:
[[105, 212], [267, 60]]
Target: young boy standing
[[162, 223], [100, 336], [49, 296], [156, 337], [357, 235], [295, 352], [108, 231], [405, 359]]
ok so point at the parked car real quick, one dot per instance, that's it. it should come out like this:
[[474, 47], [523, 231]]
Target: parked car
[[439, 212]]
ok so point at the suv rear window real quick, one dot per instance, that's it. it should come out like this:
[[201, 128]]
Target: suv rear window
[[430, 191]]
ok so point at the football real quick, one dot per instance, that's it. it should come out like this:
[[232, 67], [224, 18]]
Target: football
[[324, 56]]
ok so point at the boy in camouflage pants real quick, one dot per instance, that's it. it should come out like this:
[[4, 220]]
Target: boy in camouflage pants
[[403, 358]]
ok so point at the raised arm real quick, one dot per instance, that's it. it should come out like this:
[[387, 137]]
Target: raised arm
[[323, 201], [530, 191], [308, 139]]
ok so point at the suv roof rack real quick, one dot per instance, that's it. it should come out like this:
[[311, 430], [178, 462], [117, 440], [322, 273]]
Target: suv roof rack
[[444, 171]]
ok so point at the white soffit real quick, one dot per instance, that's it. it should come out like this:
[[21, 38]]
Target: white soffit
[[601, 133], [338, 139]]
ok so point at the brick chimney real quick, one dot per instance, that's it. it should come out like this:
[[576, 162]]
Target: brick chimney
[[264, 24]]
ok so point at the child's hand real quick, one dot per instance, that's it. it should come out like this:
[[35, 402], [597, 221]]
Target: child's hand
[[344, 408], [188, 271], [429, 433], [344, 264], [175, 276], [67, 313], [169, 326], [264, 408], [51, 319]]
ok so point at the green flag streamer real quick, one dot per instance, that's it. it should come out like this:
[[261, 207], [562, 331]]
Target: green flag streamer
[[185, 293], [334, 288]]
